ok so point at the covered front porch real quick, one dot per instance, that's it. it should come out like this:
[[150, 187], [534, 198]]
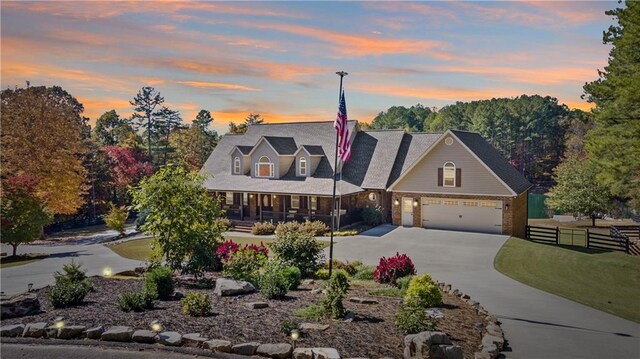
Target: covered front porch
[[253, 206]]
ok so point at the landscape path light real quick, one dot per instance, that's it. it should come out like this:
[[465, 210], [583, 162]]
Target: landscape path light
[[107, 272], [295, 334]]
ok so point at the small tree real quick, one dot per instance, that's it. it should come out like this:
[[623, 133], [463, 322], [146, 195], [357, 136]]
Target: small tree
[[23, 214], [182, 216], [577, 190], [116, 218]]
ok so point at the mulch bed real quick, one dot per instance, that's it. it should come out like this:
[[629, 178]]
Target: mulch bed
[[372, 333]]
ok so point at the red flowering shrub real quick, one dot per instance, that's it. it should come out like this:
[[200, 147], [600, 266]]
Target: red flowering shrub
[[392, 268], [226, 248], [260, 249]]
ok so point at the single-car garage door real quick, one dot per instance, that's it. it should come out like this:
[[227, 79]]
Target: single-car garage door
[[462, 214]]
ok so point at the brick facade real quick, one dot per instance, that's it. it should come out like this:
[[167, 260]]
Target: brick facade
[[514, 209]]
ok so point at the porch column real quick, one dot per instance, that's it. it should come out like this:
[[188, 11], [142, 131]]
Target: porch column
[[260, 205], [284, 207], [309, 206]]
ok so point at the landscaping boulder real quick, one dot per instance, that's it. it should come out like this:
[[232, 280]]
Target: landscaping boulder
[[308, 282], [256, 305], [19, 305], [494, 329], [363, 300], [417, 346], [95, 332], [193, 340], [51, 331], [172, 339], [489, 339], [313, 326], [245, 348], [34, 330], [144, 336], [217, 345], [278, 351], [228, 287], [117, 334], [71, 331], [11, 330], [303, 353], [434, 313], [325, 353]]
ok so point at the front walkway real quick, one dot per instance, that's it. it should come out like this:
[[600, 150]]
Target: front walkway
[[537, 324]]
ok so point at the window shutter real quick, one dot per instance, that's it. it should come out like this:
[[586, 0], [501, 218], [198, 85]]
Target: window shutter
[[458, 177], [440, 177]]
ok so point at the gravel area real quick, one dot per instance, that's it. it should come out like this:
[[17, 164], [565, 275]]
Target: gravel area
[[372, 333]]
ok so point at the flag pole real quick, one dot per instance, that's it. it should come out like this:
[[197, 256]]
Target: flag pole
[[342, 74]]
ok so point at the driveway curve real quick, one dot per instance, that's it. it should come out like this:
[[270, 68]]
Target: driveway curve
[[537, 324]]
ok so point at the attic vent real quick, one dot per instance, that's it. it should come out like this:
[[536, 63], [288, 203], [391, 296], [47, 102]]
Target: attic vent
[[448, 141]]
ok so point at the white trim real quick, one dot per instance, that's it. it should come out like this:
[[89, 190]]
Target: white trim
[[302, 159], [442, 137], [305, 150], [297, 206], [457, 194], [236, 171], [444, 178], [271, 167]]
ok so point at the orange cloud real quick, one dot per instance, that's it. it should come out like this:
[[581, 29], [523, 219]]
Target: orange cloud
[[217, 85], [94, 108], [435, 93], [413, 8], [541, 76], [581, 105], [356, 45]]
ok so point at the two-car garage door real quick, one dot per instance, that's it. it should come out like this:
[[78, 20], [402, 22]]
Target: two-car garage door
[[462, 214]]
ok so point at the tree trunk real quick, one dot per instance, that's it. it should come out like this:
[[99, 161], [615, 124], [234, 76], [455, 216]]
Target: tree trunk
[[15, 248]]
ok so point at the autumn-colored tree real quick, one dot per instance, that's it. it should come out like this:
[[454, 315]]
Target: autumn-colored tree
[[43, 137], [193, 145], [111, 129], [127, 168], [23, 214]]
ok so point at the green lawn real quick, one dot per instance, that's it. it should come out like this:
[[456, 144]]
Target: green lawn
[[608, 281], [139, 248], [6, 262]]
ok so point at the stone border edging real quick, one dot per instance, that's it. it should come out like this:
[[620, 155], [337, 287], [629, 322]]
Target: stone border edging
[[493, 340]]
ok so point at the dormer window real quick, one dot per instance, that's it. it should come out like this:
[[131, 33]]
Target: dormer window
[[303, 166], [264, 167], [236, 165], [449, 174]]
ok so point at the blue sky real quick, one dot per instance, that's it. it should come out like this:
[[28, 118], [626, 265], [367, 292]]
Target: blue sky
[[279, 58]]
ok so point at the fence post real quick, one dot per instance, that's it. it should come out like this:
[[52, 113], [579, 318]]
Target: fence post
[[587, 237], [557, 235], [626, 245]]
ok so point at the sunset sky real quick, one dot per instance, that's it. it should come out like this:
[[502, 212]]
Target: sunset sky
[[279, 58]]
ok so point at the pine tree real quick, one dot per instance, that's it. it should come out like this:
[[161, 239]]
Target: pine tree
[[146, 115]]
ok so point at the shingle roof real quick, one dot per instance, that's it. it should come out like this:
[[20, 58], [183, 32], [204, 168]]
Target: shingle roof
[[282, 145], [494, 160], [314, 150], [245, 149]]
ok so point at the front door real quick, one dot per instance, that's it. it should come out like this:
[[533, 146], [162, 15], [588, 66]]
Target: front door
[[407, 211]]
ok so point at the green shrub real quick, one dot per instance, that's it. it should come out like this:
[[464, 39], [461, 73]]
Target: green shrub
[[349, 267], [196, 304], [263, 228], [161, 278], [336, 290], [321, 274], [288, 325], [413, 320], [137, 301], [423, 292], [293, 275], [364, 272], [311, 312], [387, 292], [223, 223], [314, 228], [273, 283], [116, 218], [245, 264], [346, 233], [287, 227], [373, 216], [403, 282], [300, 250], [70, 287]]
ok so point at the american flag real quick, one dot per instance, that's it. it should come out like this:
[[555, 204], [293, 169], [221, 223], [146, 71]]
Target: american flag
[[340, 124]]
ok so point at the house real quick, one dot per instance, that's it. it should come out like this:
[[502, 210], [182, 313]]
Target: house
[[453, 180]]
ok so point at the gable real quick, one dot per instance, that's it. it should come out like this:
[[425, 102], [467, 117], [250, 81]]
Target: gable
[[476, 178]]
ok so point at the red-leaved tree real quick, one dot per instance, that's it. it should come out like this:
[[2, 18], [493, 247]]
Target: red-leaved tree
[[127, 168]]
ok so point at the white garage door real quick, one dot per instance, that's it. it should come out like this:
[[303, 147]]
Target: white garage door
[[462, 214]]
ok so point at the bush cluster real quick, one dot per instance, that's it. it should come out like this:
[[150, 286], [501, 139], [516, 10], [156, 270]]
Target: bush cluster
[[364, 272], [245, 264], [273, 282], [403, 282], [322, 274], [196, 304], [413, 320], [336, 290], [293, 276], [373, 216], [392, 268], [349, 267], [138, 301], [70, 287], [301, 250], [160, 279], [223, 223], [116, 218], [226, 248], [313, 228], [263, 228], [423, 292]]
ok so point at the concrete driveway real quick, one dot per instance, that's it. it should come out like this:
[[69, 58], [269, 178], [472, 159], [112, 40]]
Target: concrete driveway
[[537, 324]]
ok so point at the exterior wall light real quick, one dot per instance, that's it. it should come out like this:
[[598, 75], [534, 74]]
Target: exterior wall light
[[415, 203], [396, 202]]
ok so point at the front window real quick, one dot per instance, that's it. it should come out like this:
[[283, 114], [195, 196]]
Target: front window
[[236, 165], [314, 202], [449, 174], [303, 166], [295, 202], [229, 198], [264, 167], [245, 199]]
